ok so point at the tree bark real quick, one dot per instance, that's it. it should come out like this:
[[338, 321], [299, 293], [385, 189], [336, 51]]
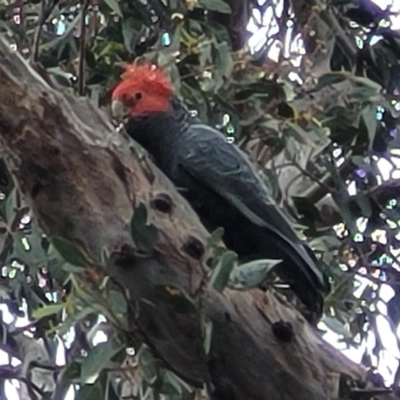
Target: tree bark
[[83, 183]]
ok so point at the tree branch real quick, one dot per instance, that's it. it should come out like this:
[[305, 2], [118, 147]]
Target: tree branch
[[83, 183], [38, 32], [82, 49]]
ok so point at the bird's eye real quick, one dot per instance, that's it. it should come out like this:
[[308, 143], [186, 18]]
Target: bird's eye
[[130, 100]]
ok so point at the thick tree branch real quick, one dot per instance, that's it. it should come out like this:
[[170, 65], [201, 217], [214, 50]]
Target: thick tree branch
[[83, 183]]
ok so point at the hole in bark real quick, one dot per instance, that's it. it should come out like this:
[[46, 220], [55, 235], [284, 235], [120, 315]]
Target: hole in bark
[[54, 151], [123, 262], [283, 331], [228, 317], [162, 202], [124, 258], [37, 187], [194, 248], [68, 225]]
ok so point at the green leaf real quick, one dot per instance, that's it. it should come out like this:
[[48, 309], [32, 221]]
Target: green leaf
[[214, 5], [207, 329], [362, 80], [72, 372], [117, 302], [171, 386], [215, 239], [70, 252], [90, 392], [326, 243], [251, 274], [59, 39], [301, 135], [223, 64], [73, 269], [328, 79], [205, 53], [73, 319], [113, 4], [368, 119], [363, 93], [47, 311], [55, 264], [147, 364], [145, 236], [99, 357], [195, 97], [28, 248], [336, 326], [364, 203], [128, 33], [11, 205], [220, 274]]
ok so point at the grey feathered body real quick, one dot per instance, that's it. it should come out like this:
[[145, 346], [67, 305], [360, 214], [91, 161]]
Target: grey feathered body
[[223, 188]]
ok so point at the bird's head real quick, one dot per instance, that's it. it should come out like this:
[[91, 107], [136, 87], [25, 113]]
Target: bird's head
[[144, 89]]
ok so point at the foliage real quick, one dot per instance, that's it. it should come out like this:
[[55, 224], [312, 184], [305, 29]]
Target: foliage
[[327, 117]]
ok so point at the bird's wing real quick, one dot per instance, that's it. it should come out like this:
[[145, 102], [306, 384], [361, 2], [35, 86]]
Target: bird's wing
[[206, 155]]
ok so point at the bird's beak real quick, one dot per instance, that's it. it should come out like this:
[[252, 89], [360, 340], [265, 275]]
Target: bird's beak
[[118, 109]]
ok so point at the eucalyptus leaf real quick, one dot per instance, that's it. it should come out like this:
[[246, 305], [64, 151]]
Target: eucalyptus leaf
[[215, 239], [73, 372], [223, 62], [114, 6], [336, 326], [207, 329], [71, 320], [46, 311], [272, 108], [70, 252], [364, 203], [171, 386], [146, 362], [99, 357], [117, 302], [328, 79], [90, 392], [70, 27], [28, 248], [368, 118], [301, 135], [220, 274], [67, 267], [214, 5], [251, 274], [128, 33]]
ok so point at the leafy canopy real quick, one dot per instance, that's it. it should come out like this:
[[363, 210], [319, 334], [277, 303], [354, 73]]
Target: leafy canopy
[[314, 104]]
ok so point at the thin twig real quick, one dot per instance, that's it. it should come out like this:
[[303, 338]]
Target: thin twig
[[36, 40], [82, 50], [295, 164]]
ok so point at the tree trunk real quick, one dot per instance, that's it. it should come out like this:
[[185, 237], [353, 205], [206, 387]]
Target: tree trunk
[[83, 184]]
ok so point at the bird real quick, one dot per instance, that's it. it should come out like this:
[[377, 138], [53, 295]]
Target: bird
[[216, 178]]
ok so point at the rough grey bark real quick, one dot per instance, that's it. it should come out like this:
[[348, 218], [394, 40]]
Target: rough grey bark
[[83, 183]]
